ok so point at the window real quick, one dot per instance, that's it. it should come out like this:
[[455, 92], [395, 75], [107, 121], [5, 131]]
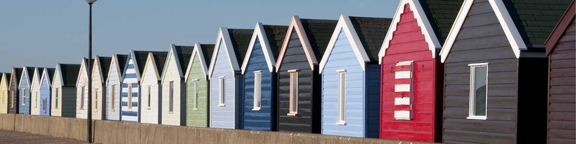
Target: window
[[112, 97], [149, 97], [403, 90], [56, 95], [341, 97], [293, 109], [37, 99], [257, 90], [478, 90], [43, 105], [222, 102], [23, 96], [129, 96], [195, 93], [13, 95], [82, 98], [96, 101], [171, 97]]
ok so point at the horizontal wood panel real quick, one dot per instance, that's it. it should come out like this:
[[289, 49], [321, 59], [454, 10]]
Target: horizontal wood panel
[[480, 125], [477, 137]]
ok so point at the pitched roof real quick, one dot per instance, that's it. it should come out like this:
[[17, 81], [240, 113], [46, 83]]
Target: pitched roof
[[371, 32], [275, 35], [184, 54], [69, 73], [29, 73], [207, 50], [121, 61], [7, 78], [240, 39], [140, 57], [50, 73], [535, 19], [17, 72], [561, 28], [160, 59], [104, 66], [319, 33], [441, 14]]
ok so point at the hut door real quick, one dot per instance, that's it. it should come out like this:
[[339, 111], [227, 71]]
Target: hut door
[[404, 85]]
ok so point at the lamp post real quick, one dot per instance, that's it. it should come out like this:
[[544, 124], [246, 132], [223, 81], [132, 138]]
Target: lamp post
[[89, 70]]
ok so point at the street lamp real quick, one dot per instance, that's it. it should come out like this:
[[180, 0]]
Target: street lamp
[[89, 70]]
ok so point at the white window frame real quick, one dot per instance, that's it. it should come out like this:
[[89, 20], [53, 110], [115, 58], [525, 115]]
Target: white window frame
[[341, 97], [471, 109], [43, 105], [37, 100], [221, 92], [82, 98], [56, 95], [149, 97], [113, 98], [257, 91], [23, 96], [96, 100], [195, 93], [293, 106], [129, 103], [171, 97]]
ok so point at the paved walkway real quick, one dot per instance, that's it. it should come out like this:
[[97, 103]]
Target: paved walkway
[[13, 137]]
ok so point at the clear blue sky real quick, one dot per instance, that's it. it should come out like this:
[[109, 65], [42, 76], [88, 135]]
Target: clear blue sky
[[46, 32]]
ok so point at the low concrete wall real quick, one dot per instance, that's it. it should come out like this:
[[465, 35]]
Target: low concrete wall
[[113, 132], [53, 126]]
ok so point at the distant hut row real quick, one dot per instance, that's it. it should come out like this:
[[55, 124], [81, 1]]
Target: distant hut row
[[471, 71]]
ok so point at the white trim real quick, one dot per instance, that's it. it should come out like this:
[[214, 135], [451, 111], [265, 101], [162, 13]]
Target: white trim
[[402, 115], [341, 116], [510, 30], [402, 101], [136, 69], [345, 25], [24, 73], [472, 96], [195, 94], [476, 117], [221, 91], [404, 63], [296, 24], [150, 61], [257, 96], [402, 88], [171, 53], [260, 33], [115, 61], [95, 65], [45, 75], [423, 23], [403, 74], [293, 93], [224, 37], [82, 68], [197, 51]]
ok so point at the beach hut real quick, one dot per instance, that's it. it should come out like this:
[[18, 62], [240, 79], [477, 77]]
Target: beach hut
[[13, 86], [495, 71], [226, 79], [561, 50], [24, 92], [351, 77], [197, 86], [131, 85], [4, 92], [259, 98], [63, 103], [45, 91], [298, 80], [82, 90], [99, 74], [411, 89], [113, 86], [150, 83], [174, 86], [35, 91]]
